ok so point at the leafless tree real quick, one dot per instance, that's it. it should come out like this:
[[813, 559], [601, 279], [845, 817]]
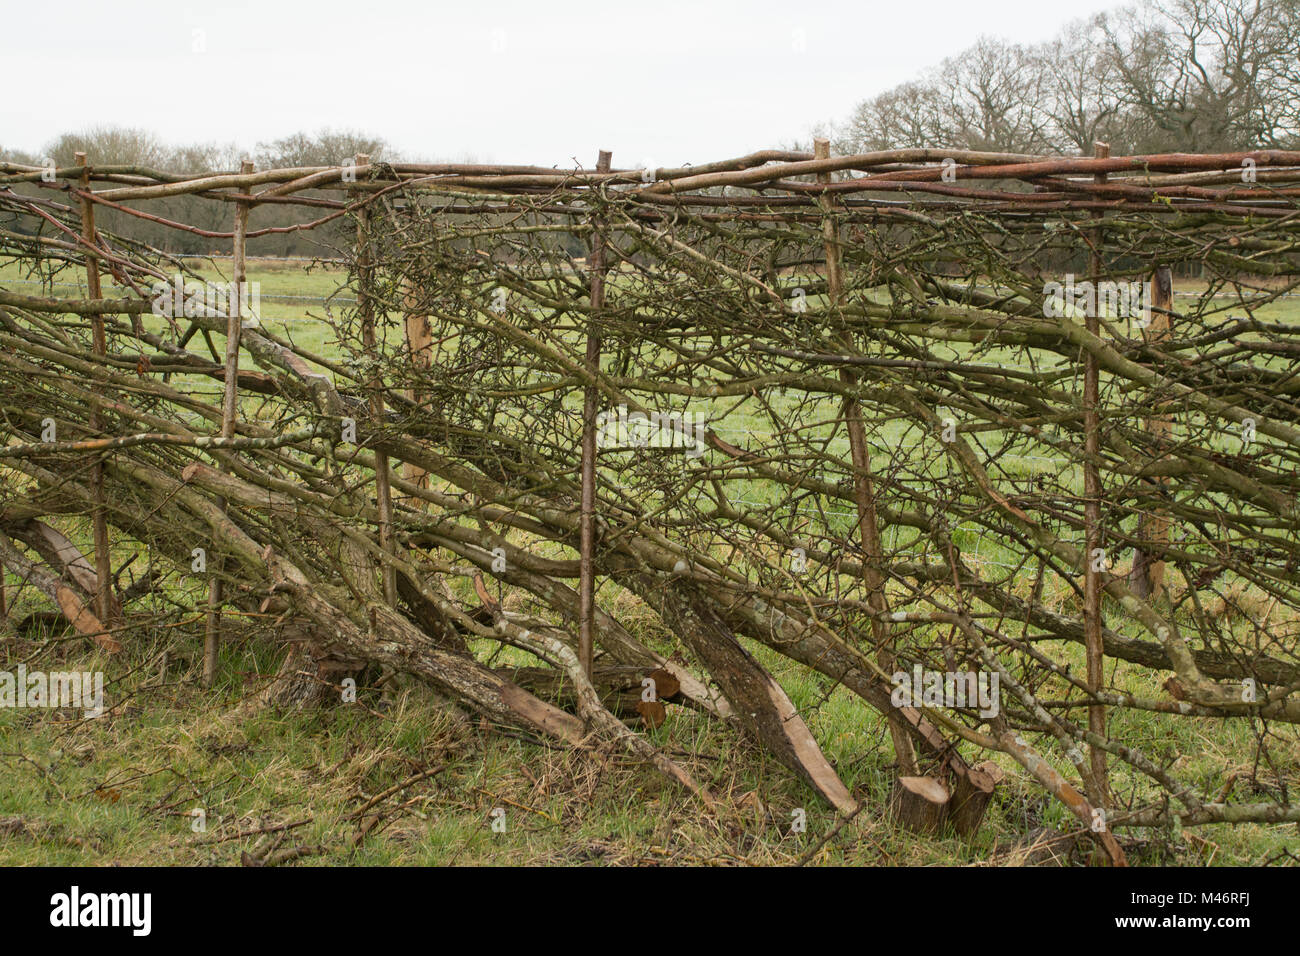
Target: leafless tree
[[1161, 76]]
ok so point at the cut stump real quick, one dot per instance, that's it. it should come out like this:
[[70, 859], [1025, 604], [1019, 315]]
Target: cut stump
[[971, 795], [920, 803]]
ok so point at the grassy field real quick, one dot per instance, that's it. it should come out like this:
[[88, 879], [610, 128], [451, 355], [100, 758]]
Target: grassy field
[[123, 789], [402, 778]]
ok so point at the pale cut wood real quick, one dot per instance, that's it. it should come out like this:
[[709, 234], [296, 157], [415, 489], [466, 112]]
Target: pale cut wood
[[1059, 787], [758, 702], [58, 551], [49, 583]]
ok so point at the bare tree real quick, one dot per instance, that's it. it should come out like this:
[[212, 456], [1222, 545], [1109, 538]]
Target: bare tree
[[1206, 74], [1074, 93], [983, 98], [326, 148], [991, 97], [1165, 75], [906, 115]]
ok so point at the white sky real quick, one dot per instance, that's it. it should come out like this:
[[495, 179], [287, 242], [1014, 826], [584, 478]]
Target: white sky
[[503, 81]]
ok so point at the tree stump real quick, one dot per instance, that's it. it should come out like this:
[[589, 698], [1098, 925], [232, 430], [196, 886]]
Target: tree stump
[[302, 682], [920, 803], [971, 796]]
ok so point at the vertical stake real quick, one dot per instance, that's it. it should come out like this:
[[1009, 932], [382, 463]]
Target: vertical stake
[[863, 491], [587, 526], [1092, 522], [99, 515], [383, 487], [229, 418]]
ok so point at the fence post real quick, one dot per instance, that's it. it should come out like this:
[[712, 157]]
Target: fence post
[[1147, 579], [229, 417], [366, 308], [1092, 519], [99, 511], [99, 515], [863, 491], [590, 395]]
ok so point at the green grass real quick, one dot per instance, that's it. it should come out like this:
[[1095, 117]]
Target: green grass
[[121, 789]]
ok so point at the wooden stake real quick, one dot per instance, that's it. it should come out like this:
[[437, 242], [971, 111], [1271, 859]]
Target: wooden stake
[[1147, 579], [587, 525], [863, 492], [99, 511], [1092, 524], [229, 419], [366, 308]]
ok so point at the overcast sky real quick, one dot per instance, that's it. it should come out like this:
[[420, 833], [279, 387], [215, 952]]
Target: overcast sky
[[498, 80]]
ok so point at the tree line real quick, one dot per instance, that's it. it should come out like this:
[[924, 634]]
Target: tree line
[[110, 146], [1160, 76]]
